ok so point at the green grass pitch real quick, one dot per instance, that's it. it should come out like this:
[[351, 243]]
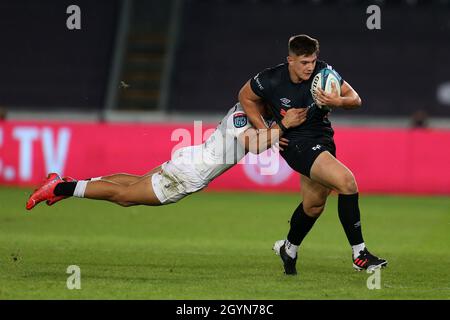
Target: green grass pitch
[[218, 246]]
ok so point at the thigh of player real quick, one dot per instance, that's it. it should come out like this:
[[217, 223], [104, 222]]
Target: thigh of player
[[302, 154], [154, 170], [159, 188], [140, 192], [333, 174], [176, 181]]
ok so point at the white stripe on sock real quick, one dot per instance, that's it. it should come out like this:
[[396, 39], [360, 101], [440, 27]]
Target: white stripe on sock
[[80, 188], [357, 248]]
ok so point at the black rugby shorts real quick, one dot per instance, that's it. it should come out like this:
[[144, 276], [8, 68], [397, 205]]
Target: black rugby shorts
[[301, 154]]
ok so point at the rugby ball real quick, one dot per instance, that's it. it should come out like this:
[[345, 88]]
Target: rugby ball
[[323, 79]]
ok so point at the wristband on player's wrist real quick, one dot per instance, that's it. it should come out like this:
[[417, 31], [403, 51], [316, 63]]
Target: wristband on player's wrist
[[282, 127]]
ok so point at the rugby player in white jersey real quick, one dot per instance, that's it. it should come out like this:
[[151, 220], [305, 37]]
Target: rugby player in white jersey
[[190, 169]]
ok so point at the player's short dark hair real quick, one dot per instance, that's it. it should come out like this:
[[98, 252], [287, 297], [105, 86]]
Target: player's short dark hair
[[302, 44]]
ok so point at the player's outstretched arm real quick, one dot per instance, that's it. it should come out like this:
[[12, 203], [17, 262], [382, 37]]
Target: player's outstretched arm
[[259, 140], [349, 98]]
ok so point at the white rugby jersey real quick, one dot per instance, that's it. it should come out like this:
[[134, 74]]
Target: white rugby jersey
[[219, 152]]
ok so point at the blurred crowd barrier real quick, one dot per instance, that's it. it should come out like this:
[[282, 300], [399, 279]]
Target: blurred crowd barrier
[[383, 160]]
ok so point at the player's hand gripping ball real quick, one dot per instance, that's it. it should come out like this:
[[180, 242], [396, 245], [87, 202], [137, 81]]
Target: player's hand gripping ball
[[329, 81]]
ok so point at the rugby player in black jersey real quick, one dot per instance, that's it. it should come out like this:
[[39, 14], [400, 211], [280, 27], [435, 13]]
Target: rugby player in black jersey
[[310, 149]]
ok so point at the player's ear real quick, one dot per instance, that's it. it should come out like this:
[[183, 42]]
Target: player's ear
[[289, 59]]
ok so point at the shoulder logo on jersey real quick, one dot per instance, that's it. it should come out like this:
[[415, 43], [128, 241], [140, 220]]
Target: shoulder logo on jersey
[[260, 86], [240, 120], [285, 102]]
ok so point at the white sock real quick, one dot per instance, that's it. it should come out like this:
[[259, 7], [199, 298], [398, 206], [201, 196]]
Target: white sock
[[96, 179], [356, 249], [80, 188], [291, 249]]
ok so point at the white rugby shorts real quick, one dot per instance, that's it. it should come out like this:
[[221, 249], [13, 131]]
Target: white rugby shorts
[[175, 181]]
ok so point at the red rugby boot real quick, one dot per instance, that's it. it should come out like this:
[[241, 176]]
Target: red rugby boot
[[45, 191]]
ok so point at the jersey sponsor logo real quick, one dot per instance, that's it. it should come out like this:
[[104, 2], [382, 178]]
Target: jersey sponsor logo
[[240, 120], [285, 102]]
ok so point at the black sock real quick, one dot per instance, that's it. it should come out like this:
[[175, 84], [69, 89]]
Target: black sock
[[349, 215], [300, 225], [65, 189]]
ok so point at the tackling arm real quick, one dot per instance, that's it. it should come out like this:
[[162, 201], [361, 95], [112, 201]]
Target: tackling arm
[[259, 140], [252, 105]]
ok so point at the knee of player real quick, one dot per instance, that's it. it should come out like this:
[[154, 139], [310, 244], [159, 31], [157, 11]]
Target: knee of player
[[348, 184], [120, 195], [314, 211]]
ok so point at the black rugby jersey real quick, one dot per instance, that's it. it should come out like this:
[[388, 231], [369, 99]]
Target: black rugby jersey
[[276, 87]]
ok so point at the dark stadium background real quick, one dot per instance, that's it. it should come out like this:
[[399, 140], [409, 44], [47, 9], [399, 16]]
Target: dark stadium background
[[216, 46]]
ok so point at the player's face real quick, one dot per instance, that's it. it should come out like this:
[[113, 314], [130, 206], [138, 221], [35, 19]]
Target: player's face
[[303, 66]]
